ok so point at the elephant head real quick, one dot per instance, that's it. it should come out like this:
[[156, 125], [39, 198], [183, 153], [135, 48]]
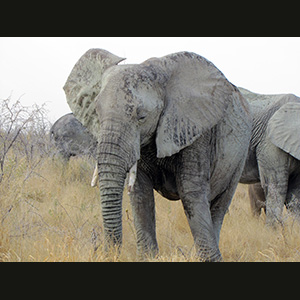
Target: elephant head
[[171, 100], [71, 138]]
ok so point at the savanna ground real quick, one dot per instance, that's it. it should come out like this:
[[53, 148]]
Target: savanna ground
[[54, 215], [50, 213]]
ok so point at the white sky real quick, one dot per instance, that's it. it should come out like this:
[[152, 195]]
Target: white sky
[[37, 68]]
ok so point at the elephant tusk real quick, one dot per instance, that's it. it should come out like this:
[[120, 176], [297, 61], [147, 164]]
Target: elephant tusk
[[95, 176], [132, 178]]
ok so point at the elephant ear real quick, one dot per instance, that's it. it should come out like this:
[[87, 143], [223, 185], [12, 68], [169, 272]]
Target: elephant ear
[[284, 129], [84, 84], [196, 97]]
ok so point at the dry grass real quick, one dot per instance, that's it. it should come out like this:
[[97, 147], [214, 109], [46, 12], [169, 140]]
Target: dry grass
[[54, 215]]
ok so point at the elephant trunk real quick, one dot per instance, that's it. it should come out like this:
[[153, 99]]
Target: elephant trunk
[[111, 183], [115, 158]]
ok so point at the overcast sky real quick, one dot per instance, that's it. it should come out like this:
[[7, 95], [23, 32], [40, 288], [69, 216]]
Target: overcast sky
[[36, 69]]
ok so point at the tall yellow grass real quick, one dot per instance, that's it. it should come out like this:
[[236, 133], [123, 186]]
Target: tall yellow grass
[[54, 215]]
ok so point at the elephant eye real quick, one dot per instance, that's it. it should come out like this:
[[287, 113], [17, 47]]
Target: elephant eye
[[141, 118], [141, 114]]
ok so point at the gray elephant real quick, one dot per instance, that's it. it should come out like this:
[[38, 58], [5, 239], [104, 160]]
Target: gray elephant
[[177, 125], [274, 153], [71, 138]]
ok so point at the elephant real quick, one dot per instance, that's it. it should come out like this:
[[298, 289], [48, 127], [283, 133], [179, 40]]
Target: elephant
[[177, 125], [71, 138], [273, 158]]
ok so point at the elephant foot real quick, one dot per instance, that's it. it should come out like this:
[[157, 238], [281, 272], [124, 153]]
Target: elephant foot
[[274, 211], [209, 256], [274, 222], [148, 252]]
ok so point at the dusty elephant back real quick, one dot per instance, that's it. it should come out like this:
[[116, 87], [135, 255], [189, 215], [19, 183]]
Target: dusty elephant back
[[263, 108]]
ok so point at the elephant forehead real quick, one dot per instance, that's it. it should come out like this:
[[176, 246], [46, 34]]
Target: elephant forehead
[[133, 76], [128, 86]]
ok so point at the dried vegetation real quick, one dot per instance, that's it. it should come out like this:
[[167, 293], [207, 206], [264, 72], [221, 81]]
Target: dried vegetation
[[49, 212]]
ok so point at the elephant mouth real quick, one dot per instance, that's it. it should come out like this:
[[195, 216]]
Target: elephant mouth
[[131, 177]]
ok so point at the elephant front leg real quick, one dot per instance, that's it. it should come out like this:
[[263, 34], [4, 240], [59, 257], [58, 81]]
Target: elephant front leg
[[200, 221], [274, 203], [143, 209], [273, 171], [275, 189], [193, 183]]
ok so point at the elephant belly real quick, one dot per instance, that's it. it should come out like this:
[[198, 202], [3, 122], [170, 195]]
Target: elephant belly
[[166, 185]]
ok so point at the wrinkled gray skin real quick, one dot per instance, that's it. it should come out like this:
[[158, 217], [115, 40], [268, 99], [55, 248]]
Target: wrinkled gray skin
[[187, 128], [71, 138], [274, 153]]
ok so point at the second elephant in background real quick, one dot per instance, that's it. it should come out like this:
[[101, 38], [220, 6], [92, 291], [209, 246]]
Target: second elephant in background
[[274, 154], [71, 138]]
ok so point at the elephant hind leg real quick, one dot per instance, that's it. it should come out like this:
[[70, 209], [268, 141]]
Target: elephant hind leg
[[143, 209], [257, 198]]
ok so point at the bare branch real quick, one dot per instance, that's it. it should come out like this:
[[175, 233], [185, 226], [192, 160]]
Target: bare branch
[[23, 133]]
